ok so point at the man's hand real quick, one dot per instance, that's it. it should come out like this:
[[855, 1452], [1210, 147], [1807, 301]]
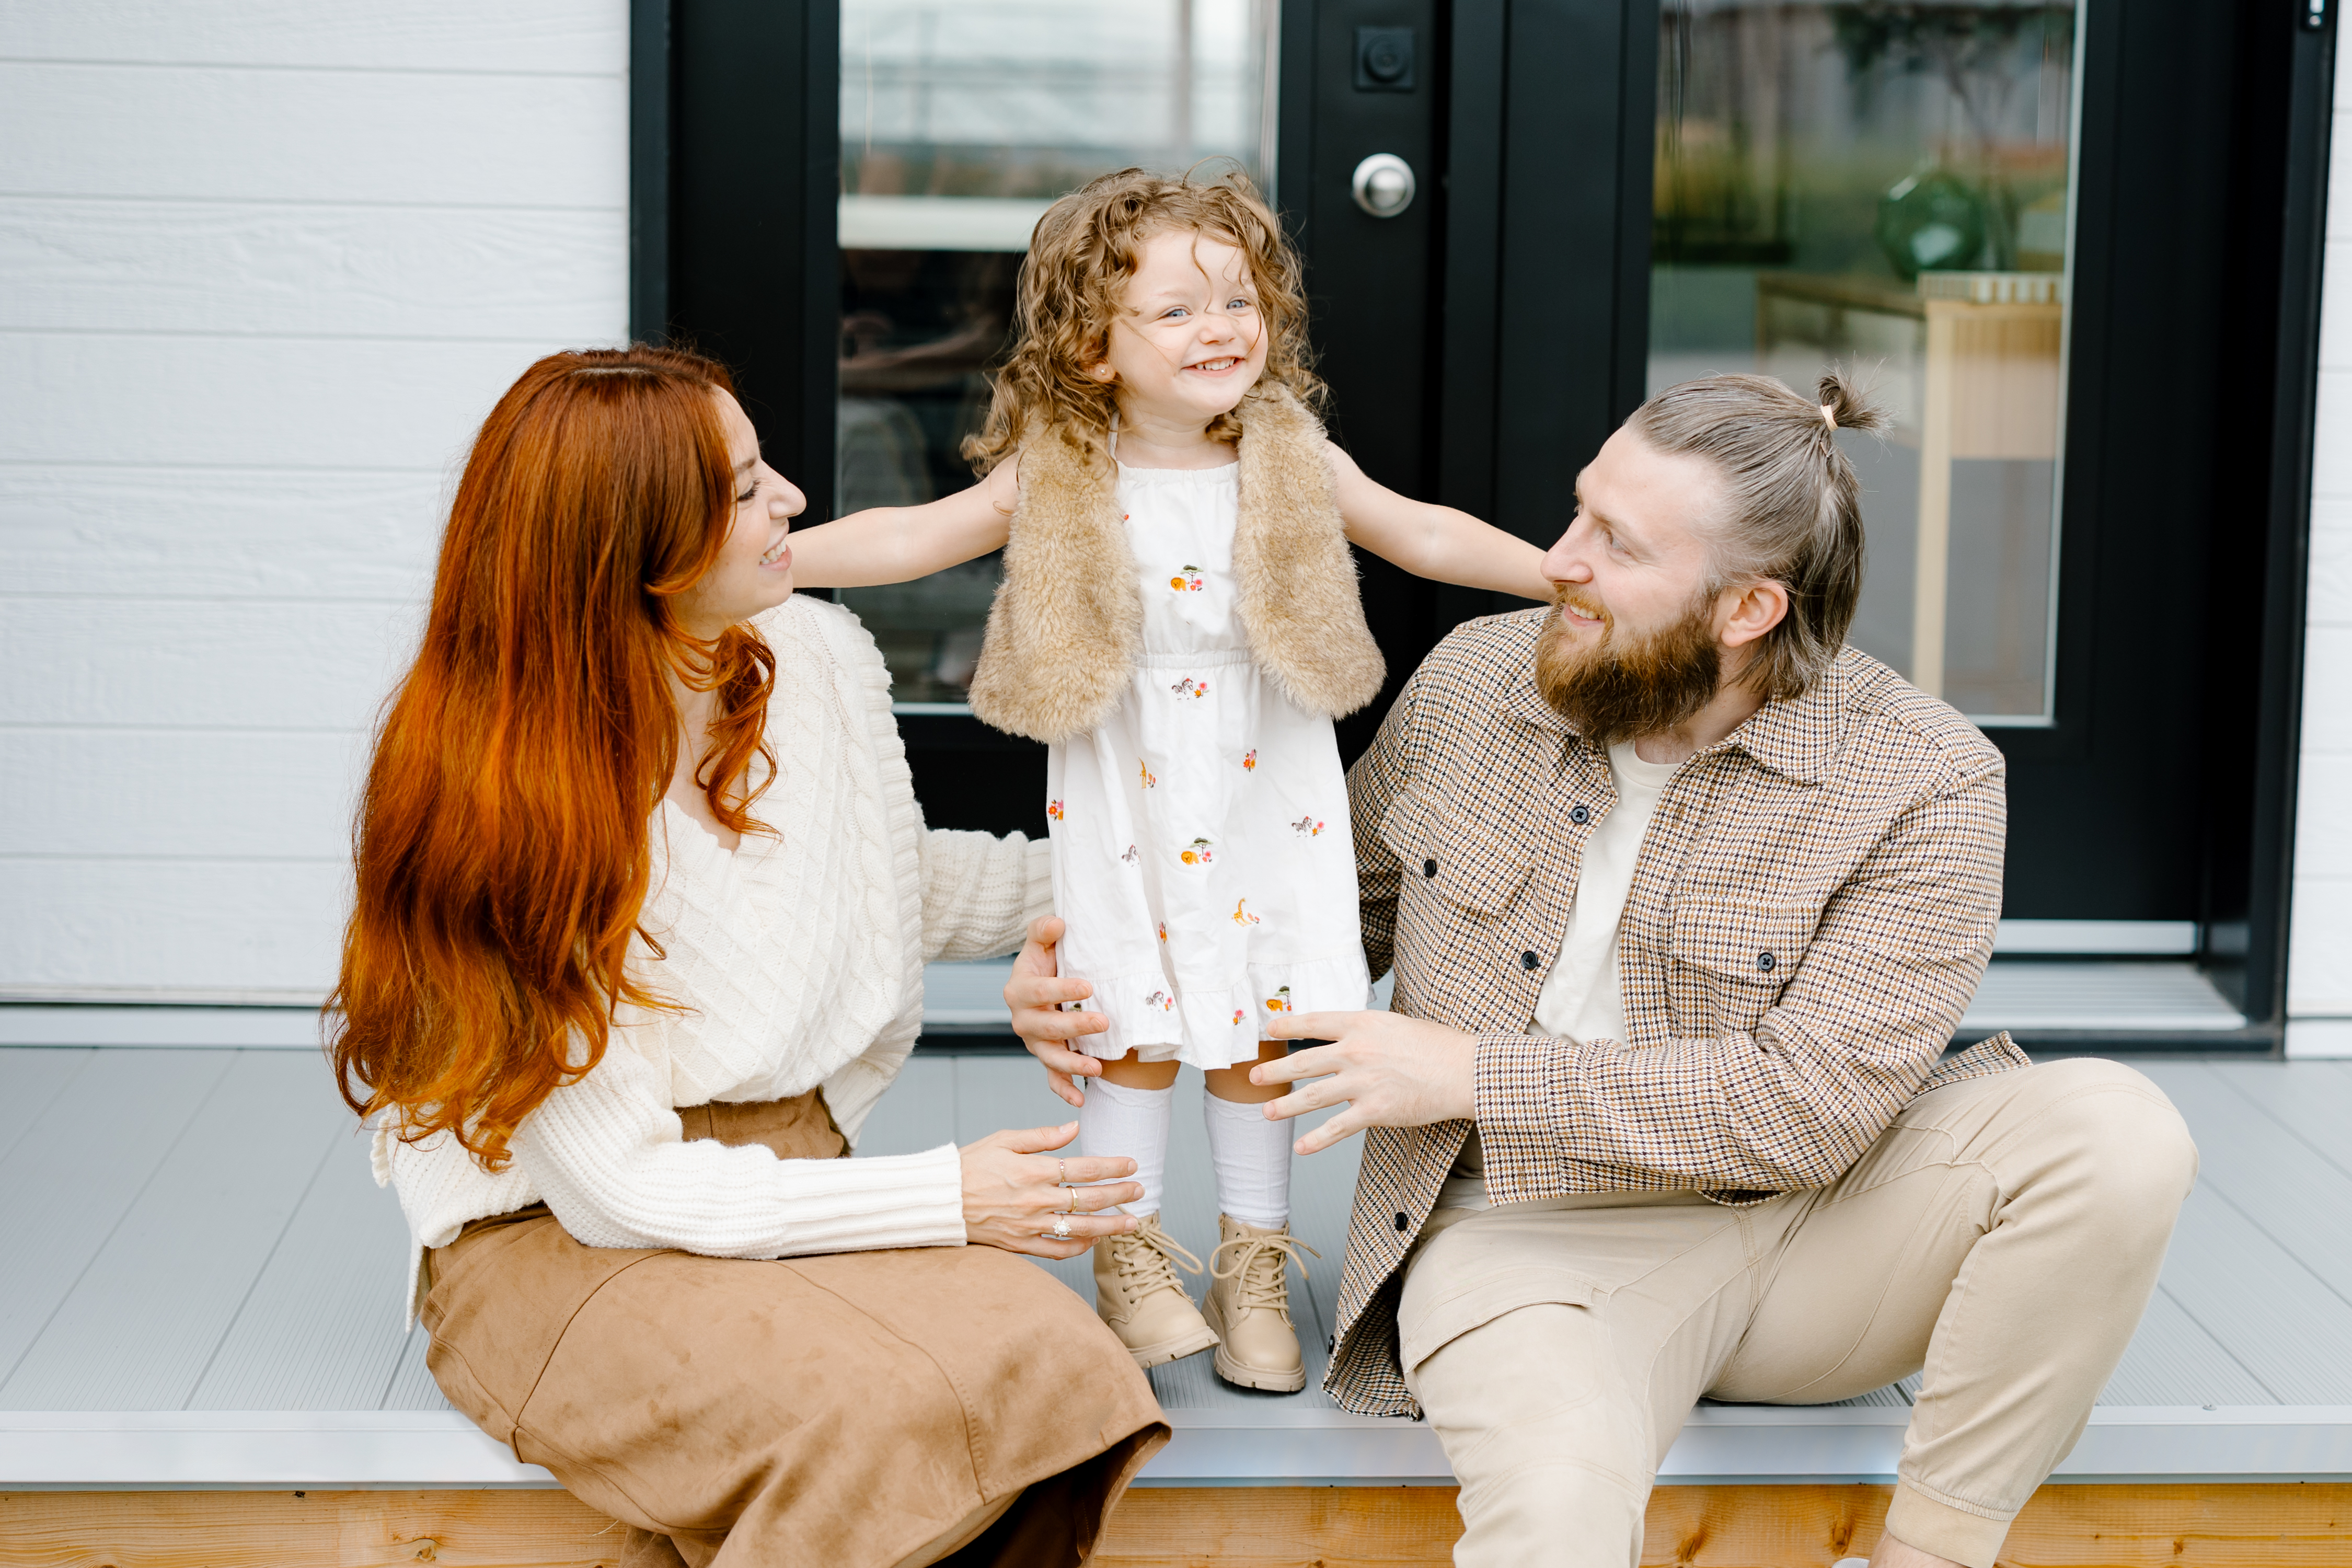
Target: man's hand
[[1034, 996], [1392, 1071]]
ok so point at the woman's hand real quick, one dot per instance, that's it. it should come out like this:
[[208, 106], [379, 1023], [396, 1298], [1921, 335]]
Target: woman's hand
[[1013, 1193], [1034, 996]]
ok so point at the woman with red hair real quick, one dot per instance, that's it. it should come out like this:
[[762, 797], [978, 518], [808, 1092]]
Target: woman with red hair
[[643, 899]]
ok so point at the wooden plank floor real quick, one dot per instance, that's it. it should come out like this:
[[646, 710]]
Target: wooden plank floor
[[197, 1230], [1260, 1527]]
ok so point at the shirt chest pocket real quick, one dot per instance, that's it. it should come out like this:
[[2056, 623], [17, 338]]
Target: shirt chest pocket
[[1729, 963], [1447, 861], [1457, 884]]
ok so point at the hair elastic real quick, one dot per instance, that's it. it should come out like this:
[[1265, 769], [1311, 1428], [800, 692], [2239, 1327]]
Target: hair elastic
[[1830, 414]]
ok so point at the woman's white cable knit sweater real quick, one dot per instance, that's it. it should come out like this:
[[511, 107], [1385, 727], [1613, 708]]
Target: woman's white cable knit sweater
[[798, 960]]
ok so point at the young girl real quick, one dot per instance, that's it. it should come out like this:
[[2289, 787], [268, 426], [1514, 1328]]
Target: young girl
[[1179, 621]]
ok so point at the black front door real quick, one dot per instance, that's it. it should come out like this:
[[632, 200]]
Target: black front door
[[915, 144], [2072, 244]]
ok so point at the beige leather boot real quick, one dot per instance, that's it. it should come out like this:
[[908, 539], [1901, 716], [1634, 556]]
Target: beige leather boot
[[1138, 1294], [1249, 1305]]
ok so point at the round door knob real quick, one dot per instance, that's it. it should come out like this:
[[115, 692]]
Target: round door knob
[[1384, 185]]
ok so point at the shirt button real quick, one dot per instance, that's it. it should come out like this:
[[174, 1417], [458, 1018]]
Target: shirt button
[[1428, 868], [1402, 1222], [1528, 961], [1578, 814], [1764, 962]]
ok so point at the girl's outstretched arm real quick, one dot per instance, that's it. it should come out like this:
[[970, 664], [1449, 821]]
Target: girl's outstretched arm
[[1433, 542], [901, 544]]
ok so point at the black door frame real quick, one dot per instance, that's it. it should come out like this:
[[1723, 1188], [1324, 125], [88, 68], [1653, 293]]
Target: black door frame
[[1538, 309], [734, 148]]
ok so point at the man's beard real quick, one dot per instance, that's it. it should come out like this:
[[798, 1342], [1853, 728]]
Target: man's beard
[[1620, 686]]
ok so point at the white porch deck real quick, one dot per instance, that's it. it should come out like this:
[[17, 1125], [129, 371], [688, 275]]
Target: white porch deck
[[202, 1289]]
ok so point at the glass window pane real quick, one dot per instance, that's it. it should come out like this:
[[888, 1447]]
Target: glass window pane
[[1887, 188], [961, 124]]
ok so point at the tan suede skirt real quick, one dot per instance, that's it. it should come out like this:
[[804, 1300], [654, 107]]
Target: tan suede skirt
[[842, 1410]]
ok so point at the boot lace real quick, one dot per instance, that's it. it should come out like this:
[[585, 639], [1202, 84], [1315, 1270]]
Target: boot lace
[[1147, 1259], [1256, 1270]]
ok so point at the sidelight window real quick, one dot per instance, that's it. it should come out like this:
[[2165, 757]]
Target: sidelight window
[[1888, 188], [961, 124]]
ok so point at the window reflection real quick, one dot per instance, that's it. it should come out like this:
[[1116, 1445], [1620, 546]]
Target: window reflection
[[1886, 187], [960, 124]]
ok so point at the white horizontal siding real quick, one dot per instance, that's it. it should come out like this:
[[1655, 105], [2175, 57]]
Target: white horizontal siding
[[139, 265], [265, 664], [230, 924], [155, 531], [341, 136], [2319, 947], [263, 269], [295, 403], [211, 791], [546, 36]]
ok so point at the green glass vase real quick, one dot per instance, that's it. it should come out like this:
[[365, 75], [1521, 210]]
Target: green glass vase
[[1930, 222]]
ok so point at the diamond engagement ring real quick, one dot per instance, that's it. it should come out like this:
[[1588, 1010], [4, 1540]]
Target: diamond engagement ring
[[1063, 1179], [1062, 1228]]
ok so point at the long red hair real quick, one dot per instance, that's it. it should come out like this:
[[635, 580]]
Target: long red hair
[[501, 845]]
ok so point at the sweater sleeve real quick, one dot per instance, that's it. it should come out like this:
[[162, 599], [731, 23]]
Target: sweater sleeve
[[609, 1156], [980, 891], [974, 894]]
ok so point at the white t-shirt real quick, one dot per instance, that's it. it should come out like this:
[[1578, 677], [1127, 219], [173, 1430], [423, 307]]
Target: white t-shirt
[[1579, 1000]]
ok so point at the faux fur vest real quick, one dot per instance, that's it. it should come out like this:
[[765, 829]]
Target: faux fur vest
[[1067, 627]]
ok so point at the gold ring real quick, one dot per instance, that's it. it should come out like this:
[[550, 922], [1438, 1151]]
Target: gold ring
[[1062, 1180], [1061, 1230]]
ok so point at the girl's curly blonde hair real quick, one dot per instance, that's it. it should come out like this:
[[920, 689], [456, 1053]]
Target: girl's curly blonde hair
[[1084, 251]]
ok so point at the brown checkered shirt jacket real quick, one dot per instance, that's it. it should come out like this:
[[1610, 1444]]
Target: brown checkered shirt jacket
[[1811, 909]]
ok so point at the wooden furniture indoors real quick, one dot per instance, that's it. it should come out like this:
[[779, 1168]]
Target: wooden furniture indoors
[[1984, 382]]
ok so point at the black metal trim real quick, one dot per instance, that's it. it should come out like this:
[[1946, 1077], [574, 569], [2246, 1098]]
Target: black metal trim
[[750, 268], [820, 187], [1470, 304], [649, 154], [2287, 567], [1293, 114]]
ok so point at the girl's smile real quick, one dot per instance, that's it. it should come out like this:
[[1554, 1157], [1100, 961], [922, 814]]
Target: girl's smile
[[1190, 343]]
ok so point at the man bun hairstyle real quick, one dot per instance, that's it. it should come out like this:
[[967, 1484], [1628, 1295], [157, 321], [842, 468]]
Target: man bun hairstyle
[[1791, 510]]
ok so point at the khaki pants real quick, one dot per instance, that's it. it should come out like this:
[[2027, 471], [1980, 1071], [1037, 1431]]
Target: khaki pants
[[2004, 1234]]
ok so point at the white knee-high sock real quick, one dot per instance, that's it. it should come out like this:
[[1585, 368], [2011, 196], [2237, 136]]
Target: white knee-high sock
[[1133, 1122], [1252, 1160]]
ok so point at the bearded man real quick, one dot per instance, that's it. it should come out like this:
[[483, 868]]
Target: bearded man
[[1685, 899]]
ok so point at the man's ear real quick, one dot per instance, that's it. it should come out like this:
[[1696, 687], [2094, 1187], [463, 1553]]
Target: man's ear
[[1756, 609]]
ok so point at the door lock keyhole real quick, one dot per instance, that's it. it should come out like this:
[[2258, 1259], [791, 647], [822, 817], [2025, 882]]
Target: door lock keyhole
[[1384, 59], [1384, 185]]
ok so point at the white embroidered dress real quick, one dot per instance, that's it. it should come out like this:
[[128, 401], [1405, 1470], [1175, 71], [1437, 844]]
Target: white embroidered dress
[[1201, 855]]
